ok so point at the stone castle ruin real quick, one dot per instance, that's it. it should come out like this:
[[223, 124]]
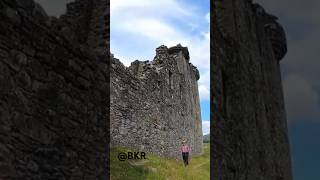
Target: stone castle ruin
[[55, 94], [250, 136], [155, 104], [150, 110]]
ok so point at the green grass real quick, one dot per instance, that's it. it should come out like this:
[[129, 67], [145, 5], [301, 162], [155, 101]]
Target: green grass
[[160, 168]]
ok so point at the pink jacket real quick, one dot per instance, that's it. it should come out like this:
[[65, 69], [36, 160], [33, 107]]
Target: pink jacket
[[185, 148]]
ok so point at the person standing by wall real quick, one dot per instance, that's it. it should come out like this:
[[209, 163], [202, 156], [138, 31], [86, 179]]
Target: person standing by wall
[[185, 150]]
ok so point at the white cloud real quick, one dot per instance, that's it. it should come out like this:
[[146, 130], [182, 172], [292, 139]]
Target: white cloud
[[151, 23], [153, 30], [204, 92], [153, 8], [150, 27], [205, 127]]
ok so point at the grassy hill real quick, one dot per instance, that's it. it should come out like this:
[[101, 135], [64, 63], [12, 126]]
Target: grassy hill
[[160, 168]]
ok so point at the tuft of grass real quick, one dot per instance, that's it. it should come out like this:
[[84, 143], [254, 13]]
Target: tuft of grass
[[160, 168]]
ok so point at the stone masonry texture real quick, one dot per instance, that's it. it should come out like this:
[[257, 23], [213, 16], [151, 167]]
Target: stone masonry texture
[[155, 104], [54, 91], [249, 128]]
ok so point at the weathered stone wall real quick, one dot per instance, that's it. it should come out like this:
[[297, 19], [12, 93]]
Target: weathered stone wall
[[86, 22], [250, 139], [53, 99], [154, 105]]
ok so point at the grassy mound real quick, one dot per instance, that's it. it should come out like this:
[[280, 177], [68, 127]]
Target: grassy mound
[[158, 168]]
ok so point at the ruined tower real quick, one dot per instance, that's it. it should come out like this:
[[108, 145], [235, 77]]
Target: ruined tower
[[250, 139], [155, 104]]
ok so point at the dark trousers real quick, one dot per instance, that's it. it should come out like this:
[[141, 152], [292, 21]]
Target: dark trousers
[[185, 156]]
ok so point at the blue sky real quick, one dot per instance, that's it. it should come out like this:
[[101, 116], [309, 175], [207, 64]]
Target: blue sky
[[140, 26]]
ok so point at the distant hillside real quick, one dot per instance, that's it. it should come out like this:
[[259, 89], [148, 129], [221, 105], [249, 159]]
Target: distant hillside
[[206, 138]]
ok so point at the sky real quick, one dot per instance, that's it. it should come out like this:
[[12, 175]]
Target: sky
[[54, 7], [138, 27], [300, 77]]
